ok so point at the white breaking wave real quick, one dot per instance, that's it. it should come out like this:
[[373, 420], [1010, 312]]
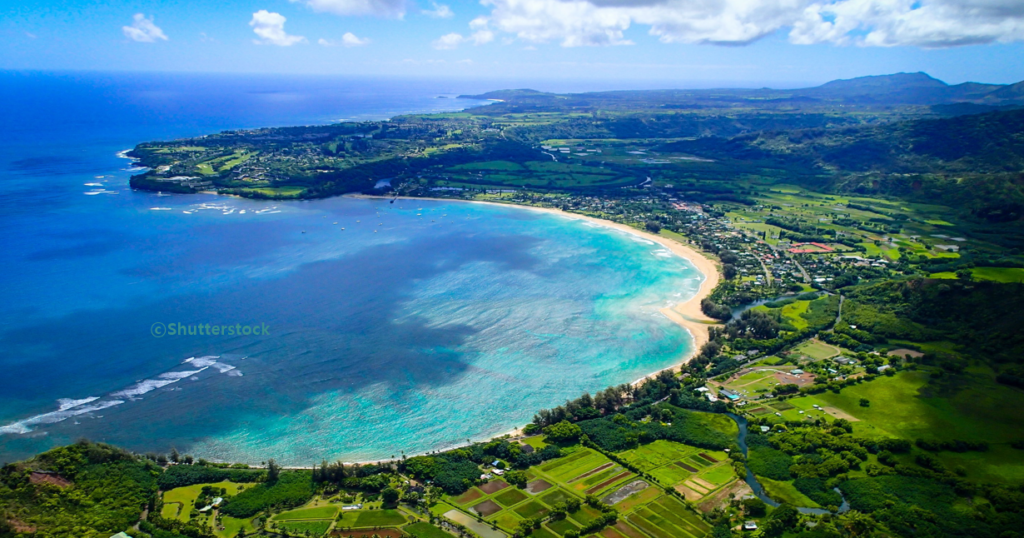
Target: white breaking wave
[[68, 403], [149, 385], [69, 407], [23, 426]]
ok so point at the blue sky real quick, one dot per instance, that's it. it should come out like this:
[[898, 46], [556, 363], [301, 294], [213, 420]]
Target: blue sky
[[646, 43]]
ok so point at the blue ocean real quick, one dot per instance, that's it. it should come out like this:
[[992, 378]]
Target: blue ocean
[[389, 328]]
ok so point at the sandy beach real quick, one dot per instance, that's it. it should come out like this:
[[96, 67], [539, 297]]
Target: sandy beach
[[686, 314]]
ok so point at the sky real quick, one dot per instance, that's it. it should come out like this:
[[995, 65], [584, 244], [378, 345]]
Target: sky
[[636, 43]]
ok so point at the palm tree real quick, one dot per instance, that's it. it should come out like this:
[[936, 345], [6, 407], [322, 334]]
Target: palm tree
[[856, 523]]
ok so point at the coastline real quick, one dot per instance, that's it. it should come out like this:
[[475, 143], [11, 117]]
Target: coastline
[[687, 314]]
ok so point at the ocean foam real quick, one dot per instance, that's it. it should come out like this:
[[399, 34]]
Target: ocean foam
[[149, 385], [68, 403], [24, 426]]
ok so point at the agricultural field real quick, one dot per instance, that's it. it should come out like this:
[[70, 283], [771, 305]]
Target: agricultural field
[[588, 472]]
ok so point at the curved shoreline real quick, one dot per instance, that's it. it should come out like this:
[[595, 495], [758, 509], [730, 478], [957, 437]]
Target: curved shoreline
[[687, 314]]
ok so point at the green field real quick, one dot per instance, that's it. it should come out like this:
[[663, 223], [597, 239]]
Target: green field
[[994, 274], [509, 496], [371, 518], [320, 512], [912, 405], [425, 530], [817, 350], [187, 495], [785, 492], [315, 528]]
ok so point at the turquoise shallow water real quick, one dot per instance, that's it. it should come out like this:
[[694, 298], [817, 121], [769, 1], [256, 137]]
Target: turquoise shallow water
[[420, 325]]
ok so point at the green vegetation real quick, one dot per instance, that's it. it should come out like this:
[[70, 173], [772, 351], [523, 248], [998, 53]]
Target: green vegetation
[[371, 518], [292, 488]]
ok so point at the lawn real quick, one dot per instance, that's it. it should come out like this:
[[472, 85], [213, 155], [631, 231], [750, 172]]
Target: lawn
[[232, 525], [371, 518], [315, 528], [537, 441], [817, 350], [187, 495], [320, 512], [426, 530]]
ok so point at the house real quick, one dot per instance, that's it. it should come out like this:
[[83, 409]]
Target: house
[[498, 472], [797, 372], [495, 463], [884, 367], [120, 535], [750, 526], [729, 394], [526, 449], [702, 389], [765, 429]]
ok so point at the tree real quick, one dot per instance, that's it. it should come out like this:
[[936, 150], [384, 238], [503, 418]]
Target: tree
[[857, 523], [864, 402], [755, 507], [516, 478], [389, 495], [273, 471], [729, 271], [965, 275], [652, 227], [563, 431]]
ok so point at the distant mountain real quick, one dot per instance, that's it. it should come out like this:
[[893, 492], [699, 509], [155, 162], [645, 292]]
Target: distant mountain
[[873, 91], [902, 88], [880, 84], [1013, 92]]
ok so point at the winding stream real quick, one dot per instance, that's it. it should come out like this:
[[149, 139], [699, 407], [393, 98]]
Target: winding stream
[[756, 486]]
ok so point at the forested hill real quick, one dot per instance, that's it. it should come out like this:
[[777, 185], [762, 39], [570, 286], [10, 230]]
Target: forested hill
[[975, 159]]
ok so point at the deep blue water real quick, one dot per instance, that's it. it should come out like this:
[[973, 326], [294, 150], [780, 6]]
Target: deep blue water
[[411, 326]]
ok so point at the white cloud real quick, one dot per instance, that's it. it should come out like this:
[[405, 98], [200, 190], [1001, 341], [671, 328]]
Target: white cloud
[[448, 41], [347, 40], [380, 8], [440, 11], [270, 28], [930, 23], [143, 30], [481, 35], [922, 23]]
